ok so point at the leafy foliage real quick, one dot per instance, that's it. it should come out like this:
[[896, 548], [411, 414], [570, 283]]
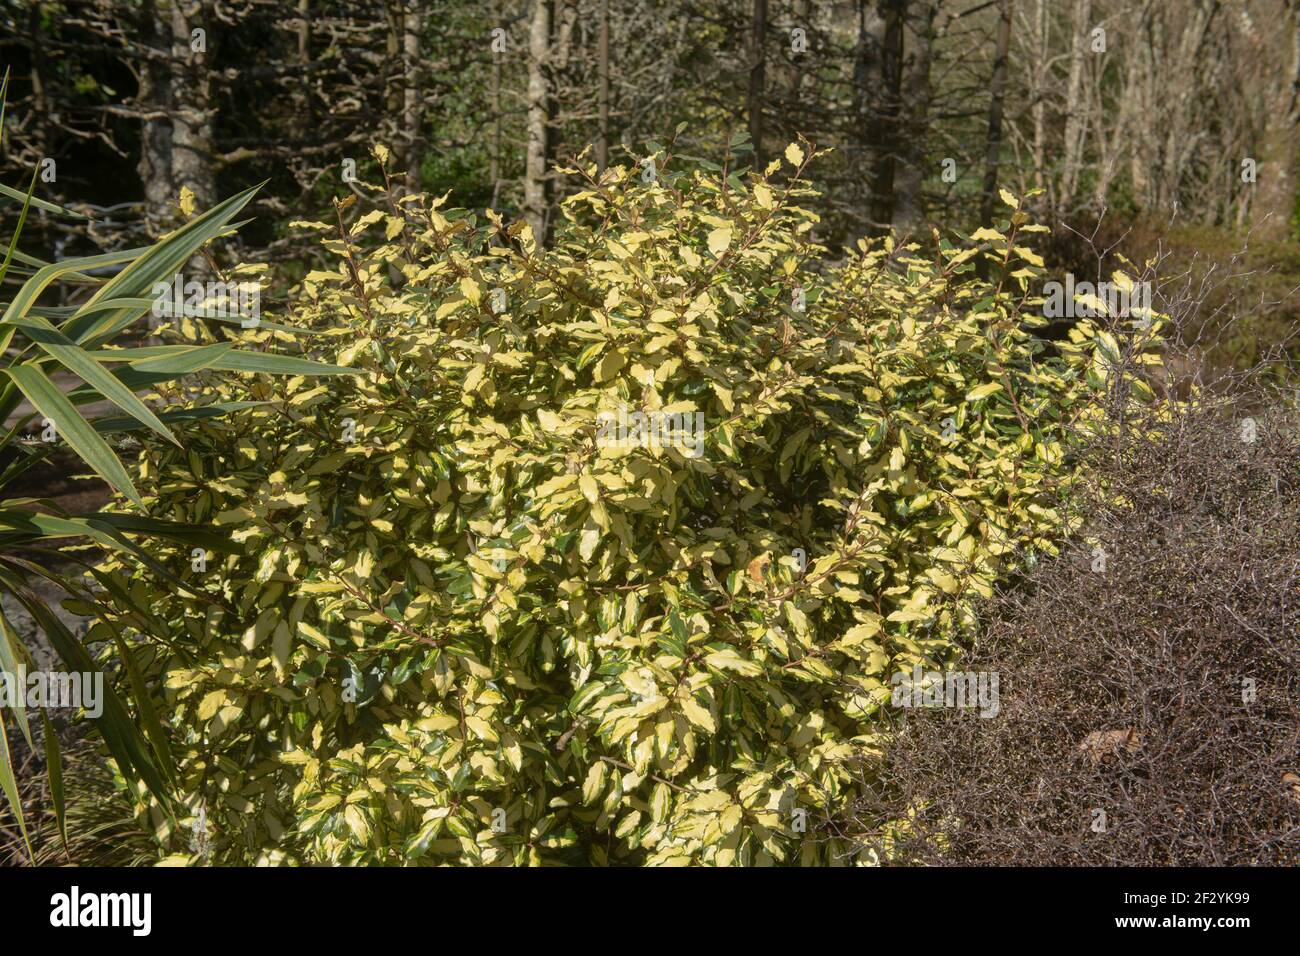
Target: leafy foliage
[[37, 341], [461, 627]]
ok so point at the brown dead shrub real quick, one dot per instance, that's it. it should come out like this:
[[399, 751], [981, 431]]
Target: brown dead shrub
[[1149, 702]]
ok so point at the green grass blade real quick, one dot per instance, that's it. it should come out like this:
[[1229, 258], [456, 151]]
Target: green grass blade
[[11, 661], [41, 203], [10, 785], [47, 399], [272, 364], [39, 526], [25, 457], [155, 528], [75, 360], [148, 715], [119, 732], [31, 290], [161, 262], [22, 220], [78, 277], [31, 526], [113, 426], [135, 380], [54, 769], [189, 359]]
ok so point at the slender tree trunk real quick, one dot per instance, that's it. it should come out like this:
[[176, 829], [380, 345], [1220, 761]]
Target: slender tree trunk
[[908, 211], [154, 99], [393, 84], [866, 97], [887, 139], [40, 104], [757, 68], [536, 182], [997, 90], [1274, 201], [1074, 106], [793, 72], [1182, 89], [302, 94], [602, 70], [494, 155], [1139, 97], [411, 112], [1038, 94], [304, 31], [191, 152], [1110, 140]]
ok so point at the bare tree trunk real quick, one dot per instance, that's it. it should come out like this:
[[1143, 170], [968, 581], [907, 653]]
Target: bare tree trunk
[[154, 97], [1274, 201], [758, 62], [302, 94], [494, 156], [1038, 94], [191, 152], [1075, 112], [1139, 99], [792, 72], [1179, 102], [866, 95], [602, 69], [393, 10], [304, 31], [536, 182], [40, 105], [997, 95], [908, 212], [411, 112], [886, 139]]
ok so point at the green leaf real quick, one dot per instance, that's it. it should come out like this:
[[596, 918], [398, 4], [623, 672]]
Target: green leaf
[[47, 399], [39, 203], [271, 364], [143, 305], [182, 361], [160, 262], [32, 526], [31, 290], [109, 426], [983, 391], [10, 785], [12, 662], [144, 707], [22, 219], [75, 360], [173, 530], [54, 769], [119, 732]]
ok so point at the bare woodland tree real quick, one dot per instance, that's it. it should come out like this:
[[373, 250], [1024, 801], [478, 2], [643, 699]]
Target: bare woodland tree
[[1187, 109]]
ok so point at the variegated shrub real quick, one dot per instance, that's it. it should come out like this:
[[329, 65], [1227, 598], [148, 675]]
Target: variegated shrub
[[610, 554]]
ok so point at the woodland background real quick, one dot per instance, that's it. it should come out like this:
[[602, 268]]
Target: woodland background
[[1138, 114]]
